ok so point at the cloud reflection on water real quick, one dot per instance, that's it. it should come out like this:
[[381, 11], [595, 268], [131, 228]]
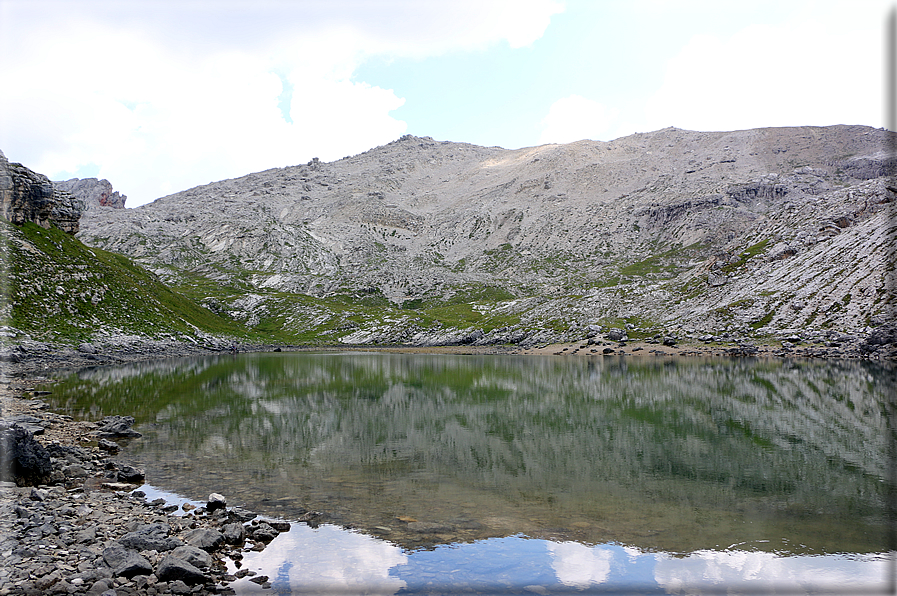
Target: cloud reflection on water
[[325, 559], [330, 559]]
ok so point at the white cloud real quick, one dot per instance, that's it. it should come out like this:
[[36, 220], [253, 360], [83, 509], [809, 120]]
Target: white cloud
[[799, 73], [575, 118], [163, 96]]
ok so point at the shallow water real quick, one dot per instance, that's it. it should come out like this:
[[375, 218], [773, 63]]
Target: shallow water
[[526, 473]]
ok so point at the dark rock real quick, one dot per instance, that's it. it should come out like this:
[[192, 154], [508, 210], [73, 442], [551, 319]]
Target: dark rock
[[204, 538], [22, 459], [115, 554], [131, 475], [216, 501], [117, 426], [150, 537], [27, 196], [280, 526], [616, 335], [234, 533], [32, 424], [75, 471], [263, 533], [193, 555], [880, 336], [132, 565], [174, 569], [669, 341], [107, 445]]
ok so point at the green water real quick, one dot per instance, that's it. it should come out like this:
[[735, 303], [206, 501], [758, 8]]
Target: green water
[[673, 455]]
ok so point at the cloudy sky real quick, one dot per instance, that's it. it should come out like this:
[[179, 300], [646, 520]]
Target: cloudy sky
[[159, 96]]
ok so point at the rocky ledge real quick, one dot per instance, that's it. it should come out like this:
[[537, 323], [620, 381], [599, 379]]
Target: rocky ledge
[[73, 520]]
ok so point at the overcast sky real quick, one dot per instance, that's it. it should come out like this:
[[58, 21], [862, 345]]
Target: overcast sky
[[160, 96]]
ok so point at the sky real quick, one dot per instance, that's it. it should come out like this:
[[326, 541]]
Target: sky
[[159, 96]]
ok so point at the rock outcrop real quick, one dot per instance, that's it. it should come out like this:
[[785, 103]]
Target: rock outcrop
[[95, 193], [28, 196]]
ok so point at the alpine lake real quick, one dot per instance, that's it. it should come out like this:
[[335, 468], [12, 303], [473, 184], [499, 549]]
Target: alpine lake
[[473, 474]]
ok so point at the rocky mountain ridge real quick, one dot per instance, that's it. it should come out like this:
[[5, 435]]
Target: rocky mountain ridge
[[765, 230], [95, 193]]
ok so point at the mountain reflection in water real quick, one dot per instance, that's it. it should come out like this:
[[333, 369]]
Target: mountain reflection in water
[[692, 468]]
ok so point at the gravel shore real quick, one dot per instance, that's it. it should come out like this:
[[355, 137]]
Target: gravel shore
[[86, 528]]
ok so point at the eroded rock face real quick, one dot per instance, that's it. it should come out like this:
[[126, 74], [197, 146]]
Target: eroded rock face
[[95, 193], [26, 196]]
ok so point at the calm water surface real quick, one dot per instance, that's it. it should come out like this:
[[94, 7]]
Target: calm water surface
[[439, 473]]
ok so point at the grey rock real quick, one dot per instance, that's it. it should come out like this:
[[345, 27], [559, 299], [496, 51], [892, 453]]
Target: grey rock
[[94, 193], [133, 564], [193, 555], [616, 335], [263, 532], [117, 426], [107, 445], [204, 538], [26, 196], [75, 471], [150, 537], [234, 533], [174, 569]]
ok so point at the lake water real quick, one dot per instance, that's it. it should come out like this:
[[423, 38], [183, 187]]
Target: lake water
[[441, 474]]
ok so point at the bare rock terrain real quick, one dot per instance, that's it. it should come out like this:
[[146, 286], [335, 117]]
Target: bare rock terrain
[[758, 231], [95, 193]]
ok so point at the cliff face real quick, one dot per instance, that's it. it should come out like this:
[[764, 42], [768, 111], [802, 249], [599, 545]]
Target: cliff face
[[94, 192], [27, 196]]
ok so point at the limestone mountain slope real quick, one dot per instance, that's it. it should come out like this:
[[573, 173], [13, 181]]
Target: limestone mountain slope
[[430, 242]]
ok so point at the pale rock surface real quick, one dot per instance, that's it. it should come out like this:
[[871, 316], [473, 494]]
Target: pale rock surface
[[773, 228]]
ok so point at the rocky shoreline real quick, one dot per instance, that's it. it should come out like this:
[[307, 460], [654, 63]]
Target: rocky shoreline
[[73, 520]]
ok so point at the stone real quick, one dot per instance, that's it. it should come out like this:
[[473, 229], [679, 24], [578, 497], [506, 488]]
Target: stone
[[117, 426], [216, 501], [193, 555], [150, 537], [234, 533], [616, 335], [204, 538], [263, 532], [173, 569], [25, 461], [133, 564], [130, 475]]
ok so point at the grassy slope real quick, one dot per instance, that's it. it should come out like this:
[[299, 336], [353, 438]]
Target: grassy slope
[[57, 288]]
